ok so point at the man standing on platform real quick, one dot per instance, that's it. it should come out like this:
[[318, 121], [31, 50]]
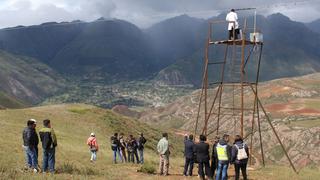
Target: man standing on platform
[[233, 26]]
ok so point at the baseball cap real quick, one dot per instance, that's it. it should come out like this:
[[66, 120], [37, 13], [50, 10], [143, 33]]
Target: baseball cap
[[33, 120]]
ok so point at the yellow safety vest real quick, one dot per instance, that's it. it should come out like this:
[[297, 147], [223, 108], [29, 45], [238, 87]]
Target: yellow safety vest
[[222, 152]]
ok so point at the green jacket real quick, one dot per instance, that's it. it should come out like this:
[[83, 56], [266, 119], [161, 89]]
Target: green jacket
[[163, 146], [48, 138]]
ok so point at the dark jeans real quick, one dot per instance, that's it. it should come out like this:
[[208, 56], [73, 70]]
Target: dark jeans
[[188, 163], [236, 33], [213, 167], [115, 152], [243, 168], [205, 165], [37, 153], [132, 155], [48, 159]]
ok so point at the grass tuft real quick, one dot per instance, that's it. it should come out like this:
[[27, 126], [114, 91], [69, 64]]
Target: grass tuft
[[70, 168], [79, 110], [148, 168]]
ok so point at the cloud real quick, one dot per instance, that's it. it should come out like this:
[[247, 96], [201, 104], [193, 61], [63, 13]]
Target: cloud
[[142, 12]]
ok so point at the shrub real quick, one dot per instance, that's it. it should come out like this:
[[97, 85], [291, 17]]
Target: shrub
[[147, 168], [70, 168]]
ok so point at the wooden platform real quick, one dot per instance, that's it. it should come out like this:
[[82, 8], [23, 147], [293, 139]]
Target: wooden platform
[[235, 42]]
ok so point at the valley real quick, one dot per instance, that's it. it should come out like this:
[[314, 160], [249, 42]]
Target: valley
[[110, 75]]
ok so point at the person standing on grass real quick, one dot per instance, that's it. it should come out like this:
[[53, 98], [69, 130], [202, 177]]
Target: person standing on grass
[[94, 147], [141, 142], [132, 149], [115, 147], [203, 158], [37, 140], [164, 153], [189, 152], [123, 147], [223, 153], [49, 144], [30, 141], [214, 158], [240, 154]]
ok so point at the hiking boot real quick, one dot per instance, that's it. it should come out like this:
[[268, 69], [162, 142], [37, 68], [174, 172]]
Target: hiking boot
[[35, 170]]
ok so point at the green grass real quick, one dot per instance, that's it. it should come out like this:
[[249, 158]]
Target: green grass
[[72, 154], [285, 173], [149, 168], [306, 123], [73, 125], [313, 104], [79, 110], [10, 102]]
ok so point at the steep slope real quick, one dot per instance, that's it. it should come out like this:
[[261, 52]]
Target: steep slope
[[109, 50], [112, 49], [42, 42], [286, 53], [314, 25], [25, 80], [176, 38], [293, 104], [10, 102]]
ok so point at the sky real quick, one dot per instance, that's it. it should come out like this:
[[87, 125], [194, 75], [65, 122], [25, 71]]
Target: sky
[[143, 13]]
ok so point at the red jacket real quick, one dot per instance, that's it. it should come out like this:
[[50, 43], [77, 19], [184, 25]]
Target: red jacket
[[92, 143]]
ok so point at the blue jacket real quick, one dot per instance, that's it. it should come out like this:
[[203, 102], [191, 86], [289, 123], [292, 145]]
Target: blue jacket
[[189, 148]]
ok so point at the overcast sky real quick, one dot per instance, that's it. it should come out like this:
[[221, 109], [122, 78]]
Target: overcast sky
[[142, 12]]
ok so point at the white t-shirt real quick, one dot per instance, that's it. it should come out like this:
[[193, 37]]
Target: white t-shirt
[[232, 17]]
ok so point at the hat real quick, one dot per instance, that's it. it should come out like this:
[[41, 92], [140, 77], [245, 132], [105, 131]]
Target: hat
[[92, 134], [33, 120]]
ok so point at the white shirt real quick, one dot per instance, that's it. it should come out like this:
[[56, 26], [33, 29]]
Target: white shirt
[[232, 17]]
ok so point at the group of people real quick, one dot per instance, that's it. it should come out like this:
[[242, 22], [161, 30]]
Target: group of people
[[123, 149], [223, 154], [130, 146], [212, 166], [131, 149], [30, 145]]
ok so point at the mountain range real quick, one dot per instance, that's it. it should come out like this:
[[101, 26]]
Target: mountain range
[[290, 49], [109, 51]]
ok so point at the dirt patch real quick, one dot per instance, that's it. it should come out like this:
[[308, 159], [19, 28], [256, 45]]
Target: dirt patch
[[277, 107], [306, 111]]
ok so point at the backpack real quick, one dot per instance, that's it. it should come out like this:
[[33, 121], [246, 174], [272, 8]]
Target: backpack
[[242, 154], [92, 147]]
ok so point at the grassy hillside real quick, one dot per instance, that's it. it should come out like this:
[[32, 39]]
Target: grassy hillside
[[26, 79], [10, 102], [73, 124]]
